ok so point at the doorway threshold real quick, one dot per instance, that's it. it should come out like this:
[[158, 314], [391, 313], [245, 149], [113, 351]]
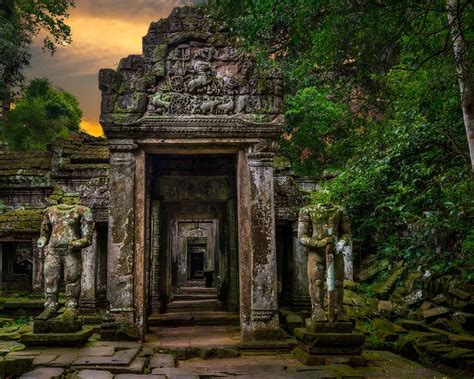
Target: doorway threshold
[[193, 318]]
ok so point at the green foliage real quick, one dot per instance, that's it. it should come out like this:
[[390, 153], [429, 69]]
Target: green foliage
[[42, 114], [20, 22], [373, 97]]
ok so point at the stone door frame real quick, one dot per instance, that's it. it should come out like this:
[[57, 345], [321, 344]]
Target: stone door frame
[[128, 292]]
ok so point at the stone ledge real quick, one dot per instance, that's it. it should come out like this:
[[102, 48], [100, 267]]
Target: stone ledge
[[58, 339]]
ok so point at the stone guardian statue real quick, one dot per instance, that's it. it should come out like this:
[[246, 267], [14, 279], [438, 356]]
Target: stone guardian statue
[[324, 230], [66, 229]]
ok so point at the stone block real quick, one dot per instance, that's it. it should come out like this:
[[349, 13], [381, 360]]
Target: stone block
[[440, 299], [57, 325], [162, 360], [306, 358], [332, 350], [119, 358], [459, 293], [413, 325], [97, 351], [58, 339], [434, 313], [329, 339], [96, 374], [329, 327], [44, 359], [44, 373]]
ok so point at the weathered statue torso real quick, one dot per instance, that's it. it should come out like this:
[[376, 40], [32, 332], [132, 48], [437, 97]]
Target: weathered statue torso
[[324, 230], [66, 229]]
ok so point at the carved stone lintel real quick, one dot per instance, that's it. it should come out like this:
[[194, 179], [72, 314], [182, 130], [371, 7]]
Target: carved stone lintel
[[122, 146]]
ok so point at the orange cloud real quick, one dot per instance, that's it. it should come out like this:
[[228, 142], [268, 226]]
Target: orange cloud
[[92, 127]]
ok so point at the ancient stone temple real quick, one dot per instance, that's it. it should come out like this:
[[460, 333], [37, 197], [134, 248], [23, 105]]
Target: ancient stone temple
[[194, 210], [191, 126]]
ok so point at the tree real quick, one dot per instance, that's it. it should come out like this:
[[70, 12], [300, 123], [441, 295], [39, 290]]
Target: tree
[[463, 56], [372, 94], [41, 115], [20, 22], [353, 45]]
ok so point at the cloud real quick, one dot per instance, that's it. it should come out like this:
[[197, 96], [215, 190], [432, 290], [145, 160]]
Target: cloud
[[103, 32]]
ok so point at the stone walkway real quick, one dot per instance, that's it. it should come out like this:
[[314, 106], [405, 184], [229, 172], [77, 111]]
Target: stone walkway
[[191, 352]]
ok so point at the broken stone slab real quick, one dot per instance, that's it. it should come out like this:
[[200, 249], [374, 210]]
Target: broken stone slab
[[119, 358], [162, 360], [44, 373], [329, 339], [456, 357], [383, 290], [418, 326], [95, 374], [434, 313], [352, 298], [464, 341], [10, 346], [440, 299], [373, 270], [64, 359], [176, 372], [307, 358], [426, 305], [448, 325], [44, 359], [106, 351], [329, 327], [459, 293]]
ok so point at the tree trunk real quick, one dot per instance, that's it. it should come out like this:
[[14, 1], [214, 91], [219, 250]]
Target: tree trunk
[[6, 103], [466, 86]]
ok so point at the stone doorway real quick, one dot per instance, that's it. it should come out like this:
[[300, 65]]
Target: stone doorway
[[194, 257]]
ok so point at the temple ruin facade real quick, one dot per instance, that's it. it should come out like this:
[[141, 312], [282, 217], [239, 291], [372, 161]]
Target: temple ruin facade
[[194, 208]]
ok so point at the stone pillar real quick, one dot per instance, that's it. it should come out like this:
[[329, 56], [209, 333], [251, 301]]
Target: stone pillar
[[155, 256], [139, 261], [1, 267], [233, 302], [259, 298], [120, 244], [89, 276], [38, 265], [300, 286]]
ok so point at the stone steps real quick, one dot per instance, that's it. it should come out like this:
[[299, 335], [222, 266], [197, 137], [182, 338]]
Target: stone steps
[[196, 290], [191, 296], [193, 305]]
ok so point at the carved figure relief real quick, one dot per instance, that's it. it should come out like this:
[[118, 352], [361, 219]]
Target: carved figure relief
[[205, 80]]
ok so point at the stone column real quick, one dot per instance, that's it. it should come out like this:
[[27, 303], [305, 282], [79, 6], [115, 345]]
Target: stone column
[[38, 263], [120, 244], [259, 299], [89, 276], [348, 263], [155, 256], [233, 301], [300, 286]]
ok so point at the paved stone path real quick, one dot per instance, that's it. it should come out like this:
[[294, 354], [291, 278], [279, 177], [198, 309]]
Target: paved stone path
[[197, 352]]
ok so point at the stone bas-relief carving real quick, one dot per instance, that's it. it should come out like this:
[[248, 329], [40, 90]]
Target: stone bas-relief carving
[[324, 230], [189, 69], [202, 79], [66, 229]]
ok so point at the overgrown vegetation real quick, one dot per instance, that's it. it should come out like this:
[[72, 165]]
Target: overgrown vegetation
[[40, 115], [373, 98]]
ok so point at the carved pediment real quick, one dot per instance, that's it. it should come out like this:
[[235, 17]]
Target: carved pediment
[[190, 69]]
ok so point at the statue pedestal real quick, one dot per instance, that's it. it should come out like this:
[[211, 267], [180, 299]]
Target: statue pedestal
[[58, 332], [57, 325], [58, 339], [322, 339]]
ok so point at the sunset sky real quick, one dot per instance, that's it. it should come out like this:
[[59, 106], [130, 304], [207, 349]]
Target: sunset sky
[[103, 31]]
